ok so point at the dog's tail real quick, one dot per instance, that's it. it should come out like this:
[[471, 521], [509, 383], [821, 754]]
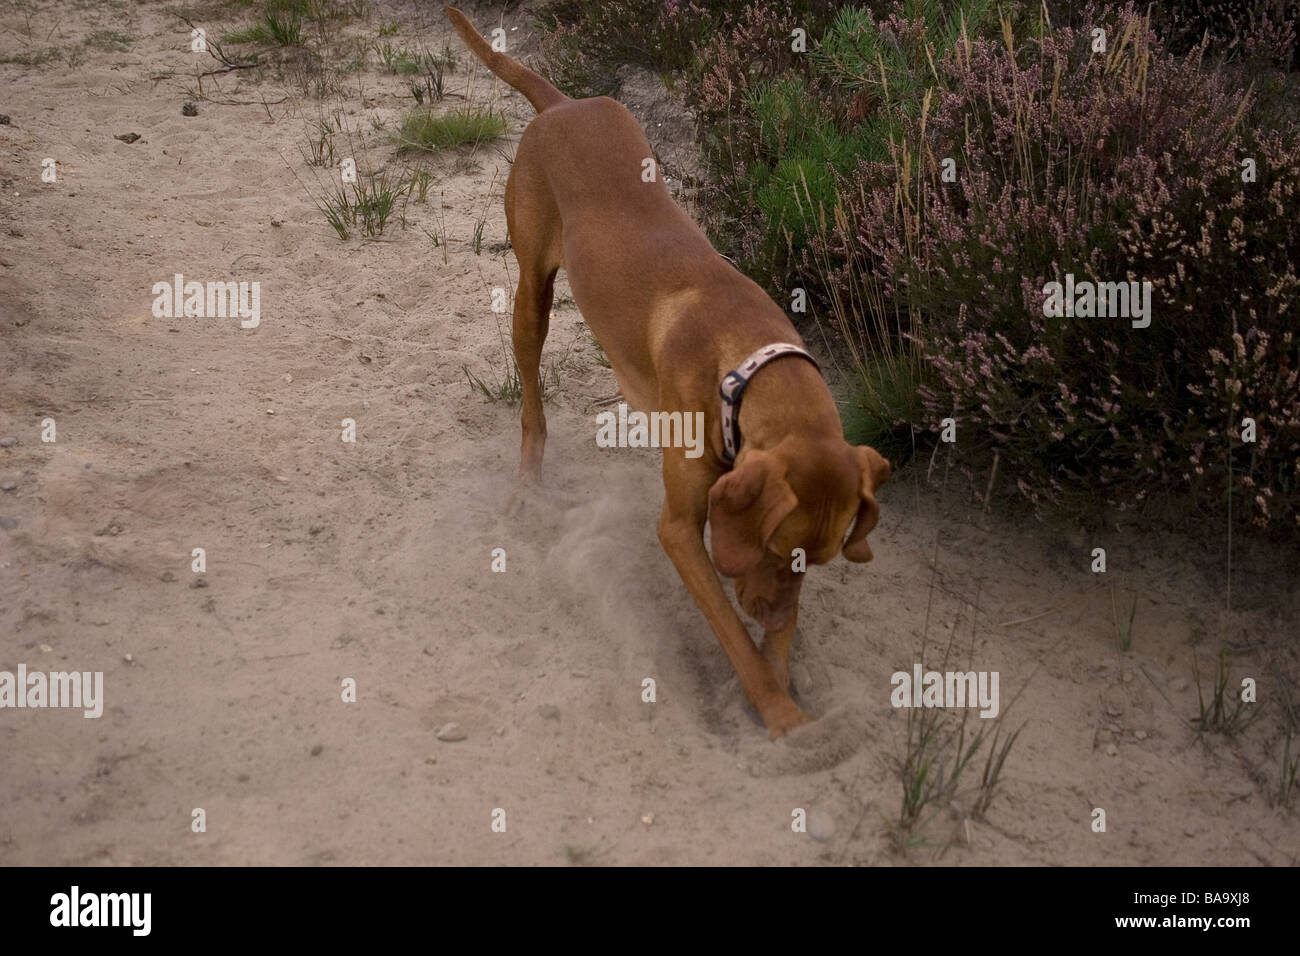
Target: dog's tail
[[539, 92]]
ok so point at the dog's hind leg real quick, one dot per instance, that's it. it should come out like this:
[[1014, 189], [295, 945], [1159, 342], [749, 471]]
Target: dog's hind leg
[[534, 226], [533, 299]]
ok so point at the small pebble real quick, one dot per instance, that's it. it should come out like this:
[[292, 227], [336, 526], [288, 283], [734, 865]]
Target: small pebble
[[801, 679], [451, 732], [549, 711], [1140, 734], [45, 649], [821, 825], [8, 441], [8, 485], [315, 751], [648, 818], [1112, 750], [130, 659]]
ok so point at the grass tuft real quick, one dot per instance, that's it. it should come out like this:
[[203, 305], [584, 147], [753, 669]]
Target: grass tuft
[[467, 125], [1222, 713]]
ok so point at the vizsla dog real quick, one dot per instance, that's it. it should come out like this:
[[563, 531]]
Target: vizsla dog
[[684, 331]]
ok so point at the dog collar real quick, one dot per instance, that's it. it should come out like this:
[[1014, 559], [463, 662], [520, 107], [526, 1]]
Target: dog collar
[[733, 387]]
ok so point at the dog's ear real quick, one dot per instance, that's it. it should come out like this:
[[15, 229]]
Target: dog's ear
[[745, 507], [875, 472]]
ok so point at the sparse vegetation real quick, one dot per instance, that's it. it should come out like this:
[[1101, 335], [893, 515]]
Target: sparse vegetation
[[33, 57], [407, 61], [319, 150], [1223, 712], [419, 183], [432, 86], [114, 41], [508, 389], [363, 207], [1123, 631], [280, 25], [1290, 762], [938, 750]]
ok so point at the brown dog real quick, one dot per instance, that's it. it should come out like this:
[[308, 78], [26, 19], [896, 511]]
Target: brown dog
[[677, 322]]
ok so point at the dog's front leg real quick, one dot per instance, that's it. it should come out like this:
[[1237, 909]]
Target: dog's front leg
[[776, 648], [681, 532]]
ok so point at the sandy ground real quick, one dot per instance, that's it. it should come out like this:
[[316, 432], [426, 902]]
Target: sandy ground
[[371, 561]]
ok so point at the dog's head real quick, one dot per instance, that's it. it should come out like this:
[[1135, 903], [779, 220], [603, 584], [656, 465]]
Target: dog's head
[[798, 495]]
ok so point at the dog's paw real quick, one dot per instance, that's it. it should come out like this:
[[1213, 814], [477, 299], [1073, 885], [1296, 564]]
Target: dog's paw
[[514, 503], [811, 747], [783, 718], [522, 492]]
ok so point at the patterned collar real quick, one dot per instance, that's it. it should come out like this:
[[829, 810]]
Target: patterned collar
[[733, 387]]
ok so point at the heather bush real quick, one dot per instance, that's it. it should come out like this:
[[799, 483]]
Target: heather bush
[[779, 128], [1245, 30], [585, 41], [1116, 166]]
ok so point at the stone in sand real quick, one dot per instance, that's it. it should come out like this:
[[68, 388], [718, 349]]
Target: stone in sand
[[821, 825], [450, 732]]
